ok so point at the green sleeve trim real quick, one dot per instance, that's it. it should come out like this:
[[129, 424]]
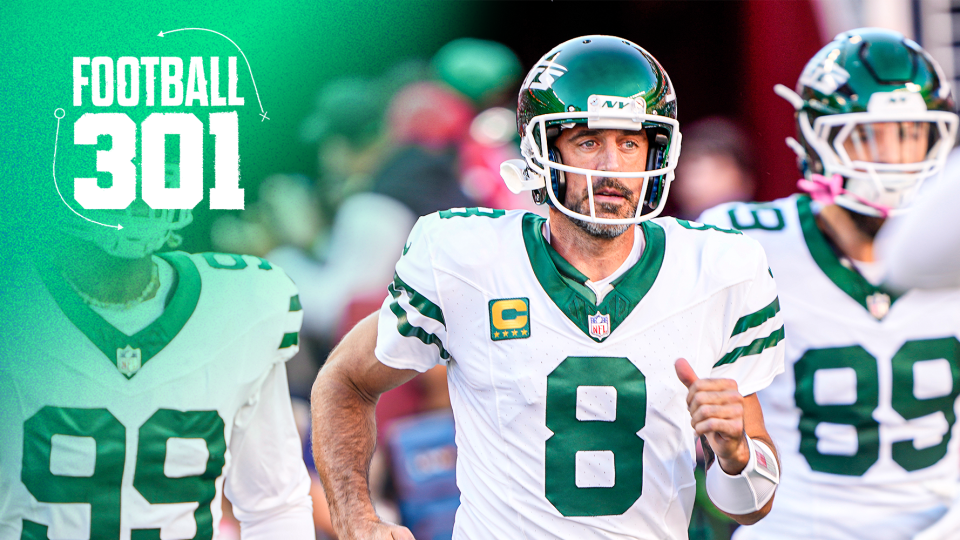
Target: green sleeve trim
[[289, 340], [425, 307], [756, 347], [467, 212], [295, 303], [419, 302], [757, 318]]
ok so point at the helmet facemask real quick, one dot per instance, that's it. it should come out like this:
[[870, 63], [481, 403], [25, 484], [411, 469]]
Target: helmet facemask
[[885, 153], [875, 119], [604, 112]]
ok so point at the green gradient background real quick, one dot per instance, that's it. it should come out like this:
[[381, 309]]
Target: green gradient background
[[292, 47]]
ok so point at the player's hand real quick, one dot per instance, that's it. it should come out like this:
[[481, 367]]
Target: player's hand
[[716, 411], [381, 530]]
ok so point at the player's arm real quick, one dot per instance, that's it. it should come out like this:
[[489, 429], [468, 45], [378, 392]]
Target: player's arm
[[724, 408], [269, 486], [343, 400], [730, 426]]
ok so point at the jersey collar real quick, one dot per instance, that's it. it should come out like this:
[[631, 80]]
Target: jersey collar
[[152, 339], [564, 284], [848, 280]]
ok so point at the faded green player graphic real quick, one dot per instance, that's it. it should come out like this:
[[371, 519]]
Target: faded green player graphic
[[137, 389]]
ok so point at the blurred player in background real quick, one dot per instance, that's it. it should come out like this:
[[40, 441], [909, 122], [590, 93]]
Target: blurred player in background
[[138, 389], [865, 414], [565, 340]]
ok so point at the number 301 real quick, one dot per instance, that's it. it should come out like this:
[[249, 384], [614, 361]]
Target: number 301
[[118, 161]]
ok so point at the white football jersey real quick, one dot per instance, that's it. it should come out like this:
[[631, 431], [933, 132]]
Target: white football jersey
[[571, 421], [864, 416], [109, 436]]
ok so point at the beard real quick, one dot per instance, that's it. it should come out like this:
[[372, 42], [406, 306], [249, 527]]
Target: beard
[[602, 230]]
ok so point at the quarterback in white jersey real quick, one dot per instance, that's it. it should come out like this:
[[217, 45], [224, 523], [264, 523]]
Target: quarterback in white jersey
[[571, 422], [572, 419], [132, 419], [864, 415]]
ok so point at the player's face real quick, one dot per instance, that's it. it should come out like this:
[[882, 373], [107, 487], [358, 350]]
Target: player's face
[[607, 150], [888, 142]]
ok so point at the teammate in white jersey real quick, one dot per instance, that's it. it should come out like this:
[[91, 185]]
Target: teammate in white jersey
[[137, 390], [864, 416], [573, 346]]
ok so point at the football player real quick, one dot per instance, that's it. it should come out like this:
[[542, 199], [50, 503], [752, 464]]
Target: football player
[[865, 413], [584, 353], [137, 389]]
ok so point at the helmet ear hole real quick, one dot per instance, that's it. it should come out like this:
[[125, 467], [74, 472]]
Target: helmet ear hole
[[557, 178], [657, 142]]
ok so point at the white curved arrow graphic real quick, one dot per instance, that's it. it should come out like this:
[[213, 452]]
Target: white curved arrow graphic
[[58, 114], [263, 114]]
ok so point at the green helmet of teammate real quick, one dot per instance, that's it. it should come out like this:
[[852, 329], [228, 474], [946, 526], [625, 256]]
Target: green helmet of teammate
[[602, 82], [876, 109], [133, 232]]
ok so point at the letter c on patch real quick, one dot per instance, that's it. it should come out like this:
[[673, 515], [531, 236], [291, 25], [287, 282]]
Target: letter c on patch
[[509, 314]]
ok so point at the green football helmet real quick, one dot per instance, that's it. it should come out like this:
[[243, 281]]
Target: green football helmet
[[876, 109], [603, 82], [143, 230]]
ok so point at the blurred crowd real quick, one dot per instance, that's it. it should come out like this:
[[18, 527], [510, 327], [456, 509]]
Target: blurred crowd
[[423, 136]]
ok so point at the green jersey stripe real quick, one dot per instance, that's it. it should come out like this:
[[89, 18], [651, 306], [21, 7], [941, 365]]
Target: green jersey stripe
[[756, 347], [757, 318], [418, 301], [289, 340], [403, 324]]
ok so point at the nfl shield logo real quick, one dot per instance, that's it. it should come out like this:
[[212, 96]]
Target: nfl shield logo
[[128, 360], [599, 325], [878, 304]]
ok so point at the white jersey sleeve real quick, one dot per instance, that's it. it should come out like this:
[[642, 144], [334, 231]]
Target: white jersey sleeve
[[412, 330], [753, 355], [270, 490], [267, 481]]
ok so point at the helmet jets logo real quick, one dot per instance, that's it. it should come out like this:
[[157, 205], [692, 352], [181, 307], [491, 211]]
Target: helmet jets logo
[[544, 74], [825, 78], [612, 112]]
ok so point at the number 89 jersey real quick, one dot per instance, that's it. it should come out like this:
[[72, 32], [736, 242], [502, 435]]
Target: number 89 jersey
[[864, 416], [109, 436], [571, 421]]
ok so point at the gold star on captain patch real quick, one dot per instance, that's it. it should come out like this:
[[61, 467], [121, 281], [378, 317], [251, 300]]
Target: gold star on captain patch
[[523, 332], [496, 334], [514, 332]]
